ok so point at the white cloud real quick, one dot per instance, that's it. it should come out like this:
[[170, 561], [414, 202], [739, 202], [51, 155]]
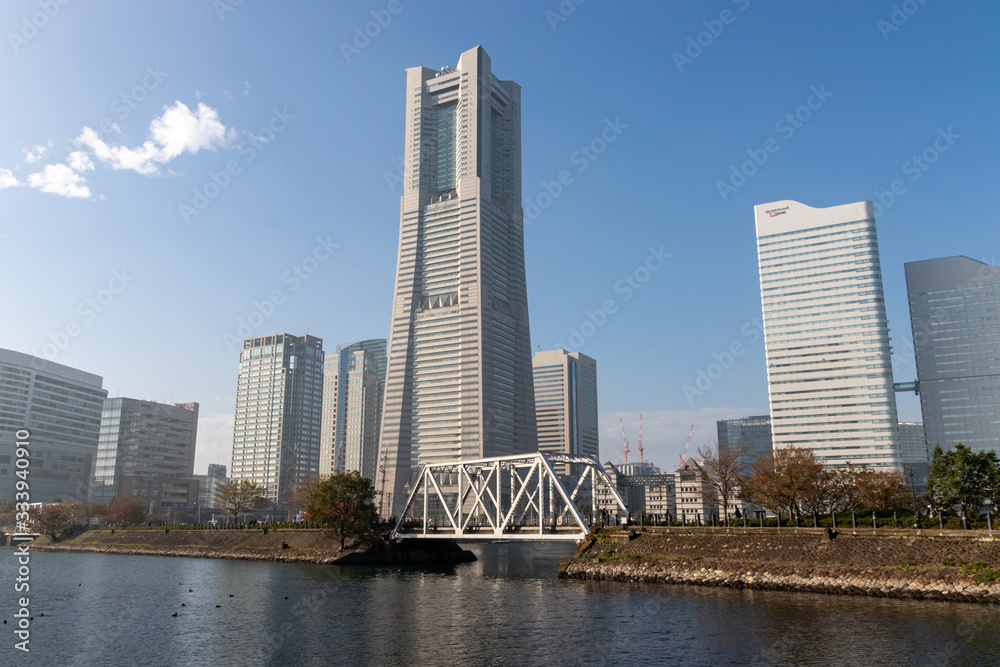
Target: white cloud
[[176, 131], [246, 89], [215, 441], [80, 161], [59, 179], [8, 180], [32, 155], [664, 433]]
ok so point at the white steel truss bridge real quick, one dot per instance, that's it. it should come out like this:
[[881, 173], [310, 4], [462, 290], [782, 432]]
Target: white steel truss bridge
[[509, 498]]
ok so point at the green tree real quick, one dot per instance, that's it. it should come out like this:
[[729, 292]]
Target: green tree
[[240, 495], [51, 520], [345, 505], [961, 480]]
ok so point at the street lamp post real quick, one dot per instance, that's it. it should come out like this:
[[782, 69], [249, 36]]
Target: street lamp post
[[916, 516]]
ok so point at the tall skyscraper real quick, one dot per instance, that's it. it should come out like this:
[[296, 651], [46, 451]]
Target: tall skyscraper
[[142, 446], [955, 317], [458, 383], [755, 432], [566, 403], [279, 399], [829, 370], [61, 409], [353, 381]]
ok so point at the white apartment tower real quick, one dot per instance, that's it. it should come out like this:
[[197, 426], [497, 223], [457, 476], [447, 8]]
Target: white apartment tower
[[458, 383], [829, 370], [279, 396]]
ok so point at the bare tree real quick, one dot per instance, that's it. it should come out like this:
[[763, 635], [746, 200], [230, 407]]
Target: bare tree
[[784, 479], [124, 511], [240, 495], [882, 489], [302, 493], [722, 466]]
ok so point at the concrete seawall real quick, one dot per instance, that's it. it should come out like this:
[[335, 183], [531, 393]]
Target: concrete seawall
[[965, 568]]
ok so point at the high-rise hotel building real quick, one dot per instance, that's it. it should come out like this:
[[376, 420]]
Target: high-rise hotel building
[[352, 408], [60, 407], [458, 383], [566, 403], [955, 315], [829, 369], [279, 398]]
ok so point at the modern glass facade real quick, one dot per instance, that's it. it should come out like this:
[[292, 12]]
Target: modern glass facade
[[754, 431], [826, 337], [279, 399], [566, 402], [61, 408], [353, 384], [141, 441], [955, 318], [458, 382]]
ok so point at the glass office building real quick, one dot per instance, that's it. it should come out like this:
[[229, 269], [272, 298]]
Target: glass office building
[[353, 382], [142, 443], [955, 318], [61, 409]]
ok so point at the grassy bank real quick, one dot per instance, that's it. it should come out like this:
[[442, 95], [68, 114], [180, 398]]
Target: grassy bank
[[303, 545], [953, 567]]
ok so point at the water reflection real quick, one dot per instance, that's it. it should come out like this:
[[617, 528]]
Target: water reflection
[[506, 608]]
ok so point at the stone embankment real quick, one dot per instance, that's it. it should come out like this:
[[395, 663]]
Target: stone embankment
[[920, 567], [298, 545]]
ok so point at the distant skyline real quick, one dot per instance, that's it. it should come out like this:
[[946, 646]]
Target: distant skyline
[[202, 170]]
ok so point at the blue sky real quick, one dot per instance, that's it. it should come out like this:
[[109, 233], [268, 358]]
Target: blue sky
[[241, 150]]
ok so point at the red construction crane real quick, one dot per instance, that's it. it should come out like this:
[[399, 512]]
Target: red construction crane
[[687, 446], [641, 458], [624, 439]]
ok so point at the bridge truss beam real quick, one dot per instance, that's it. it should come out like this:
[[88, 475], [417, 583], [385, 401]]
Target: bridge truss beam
[[518, 498]]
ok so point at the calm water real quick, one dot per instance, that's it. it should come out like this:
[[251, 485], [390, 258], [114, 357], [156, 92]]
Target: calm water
[[507, 609]]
